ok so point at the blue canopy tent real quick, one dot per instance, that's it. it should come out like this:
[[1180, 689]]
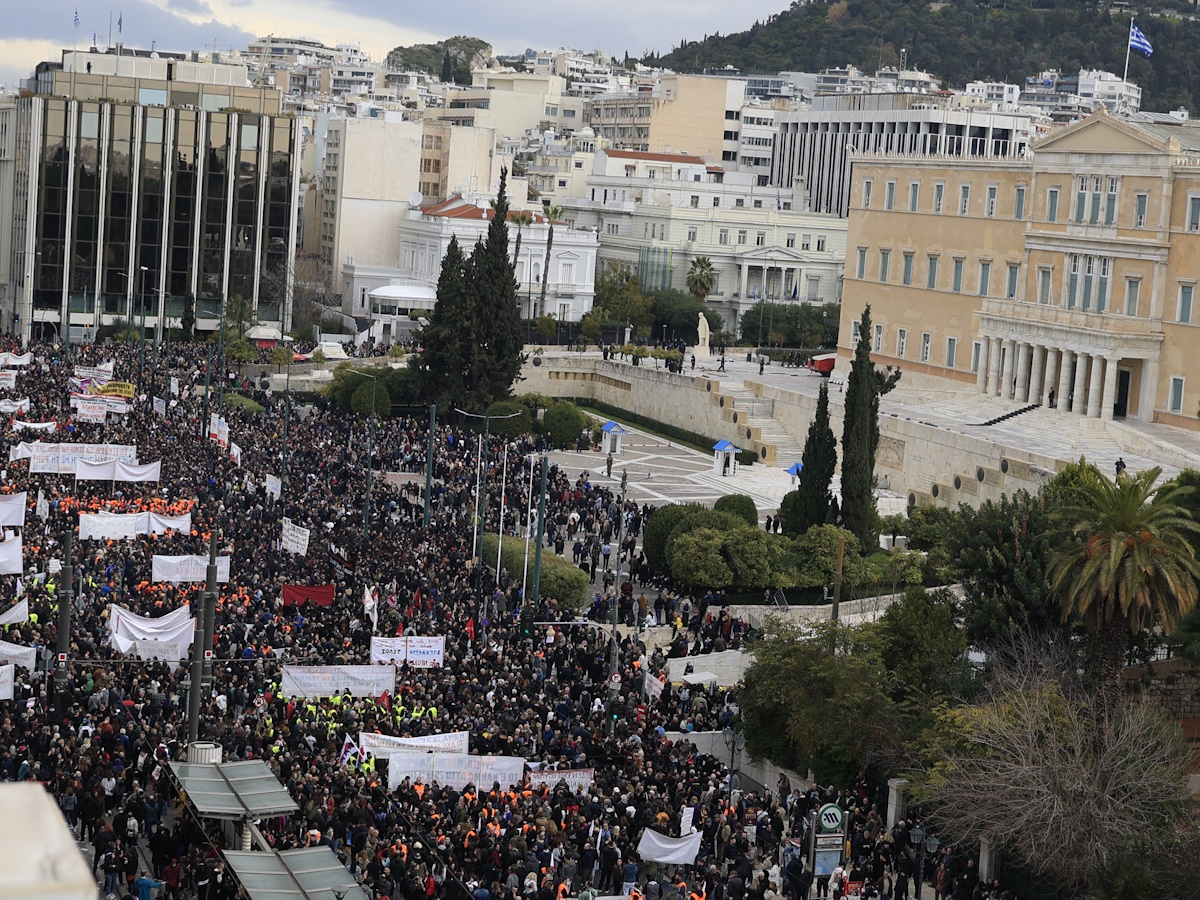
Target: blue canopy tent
[[725, 458]]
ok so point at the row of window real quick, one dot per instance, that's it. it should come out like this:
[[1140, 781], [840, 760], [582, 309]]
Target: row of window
[[939, 198], [932, 267]]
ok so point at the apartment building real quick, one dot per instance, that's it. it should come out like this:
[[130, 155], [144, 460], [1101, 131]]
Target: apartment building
[[513, 103], [1067, 277]]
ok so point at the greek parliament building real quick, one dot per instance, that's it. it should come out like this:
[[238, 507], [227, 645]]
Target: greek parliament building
[[132, 183], [1065, 276]]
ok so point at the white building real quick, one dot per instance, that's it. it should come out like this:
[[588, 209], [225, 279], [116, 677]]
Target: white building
[[1105, 87], [1006, 95], [400, 292]]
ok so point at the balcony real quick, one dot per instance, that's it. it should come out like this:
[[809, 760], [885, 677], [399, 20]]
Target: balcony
[[1044, 323]]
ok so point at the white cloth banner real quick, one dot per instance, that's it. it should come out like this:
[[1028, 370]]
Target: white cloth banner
[[295, 538], [160, 407], [8, 380], [12, 510], [577, 780], [174, 386], [14, 406], [384, 744], [274, 486], [117, 470], [121, 527], [235, 453], [455, 770], [8, 676], [33, 426], [10, 360], [167, 651], [19, 613], [655, 847], [654, 686], [25, 657], [188, 568], [61, 458], [113, 403], [126, 628], [94, 411], [392, 650], [99, 374], [418, 652], [325, 681], [11, 560]]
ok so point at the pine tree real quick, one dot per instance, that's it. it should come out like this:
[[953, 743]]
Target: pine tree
[[860, 438], [820, 460], [447, 69], [448, 360], [492, 284]]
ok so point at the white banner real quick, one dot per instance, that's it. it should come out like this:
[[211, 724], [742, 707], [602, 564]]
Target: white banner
[[188, 568], [655, 847], [117, 470], [392, 650], [325, 681], [94, 411], [8, 380], [8, 407], [61, 458], [10, 360], [126, 628], [455, 770], [295, 538], [274, 486], [654, 686], [19, 613], [578, 780], [99, 374], [167, 651], [112, 404], [122, 527], [235, 453], [174, 386], [426, 652], [33, 426], [160, 407], [12, 510], [11, 561], [25, 657], [384, 744], [7, 677]]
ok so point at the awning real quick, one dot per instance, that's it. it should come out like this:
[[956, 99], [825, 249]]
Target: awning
[[234, 790], [700, 678], [796, 468], [292, 875], [612, 428], [726, 447]]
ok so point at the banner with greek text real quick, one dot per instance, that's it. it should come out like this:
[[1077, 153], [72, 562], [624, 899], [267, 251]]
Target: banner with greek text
[[392, 650], [8, 381], [426, 652], [18, 613], [167, 651], [18, 425], [94, 411], [160, 407], [382, 745], [12, 509], [455, 770], [178, 569], [26, 657], [8, 407], [8, 675], [11, 561], [116, 389], [60, 459], [325, 681], [274, 486], [10, 360], [295, 538], [96, 374], [121, 527], [577, 780]]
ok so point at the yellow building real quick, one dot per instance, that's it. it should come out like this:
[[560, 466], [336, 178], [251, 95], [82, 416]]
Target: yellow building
[[1065, 278]]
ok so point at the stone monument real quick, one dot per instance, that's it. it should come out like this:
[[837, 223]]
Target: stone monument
[[703, 334]]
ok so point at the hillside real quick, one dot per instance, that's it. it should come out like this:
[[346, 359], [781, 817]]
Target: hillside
[[961, 41], [464, 52]]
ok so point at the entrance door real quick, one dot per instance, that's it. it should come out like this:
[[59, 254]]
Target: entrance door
[[1121, 407]]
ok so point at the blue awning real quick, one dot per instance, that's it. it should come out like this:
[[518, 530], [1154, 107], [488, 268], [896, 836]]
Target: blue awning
[[612, 428], [796, 468], [726, 447]]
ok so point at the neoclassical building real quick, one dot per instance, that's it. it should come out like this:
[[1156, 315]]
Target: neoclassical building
[[1065, 276]]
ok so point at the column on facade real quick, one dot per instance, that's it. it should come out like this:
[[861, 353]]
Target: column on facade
[[1035, 375], [1006, 375], [981, 375], [1078, 406], [745, 280], [1050, 382], [1111, 377], [1024, 352], [1093, 407], [1064, 381], [993, 378]]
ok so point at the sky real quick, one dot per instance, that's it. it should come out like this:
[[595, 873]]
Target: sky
[[43, 28]]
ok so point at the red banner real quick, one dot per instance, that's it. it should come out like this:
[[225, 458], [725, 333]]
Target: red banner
[[299, 594]]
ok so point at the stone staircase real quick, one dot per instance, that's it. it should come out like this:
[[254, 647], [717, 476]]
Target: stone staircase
[[759, 413]]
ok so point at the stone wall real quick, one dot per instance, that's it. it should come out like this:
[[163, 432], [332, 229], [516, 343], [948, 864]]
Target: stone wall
[[763, 771]]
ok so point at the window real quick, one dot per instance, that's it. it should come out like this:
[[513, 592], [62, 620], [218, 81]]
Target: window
[[958, 276], [908, 266], [814, 287], [1019, 202], [758, 204], [878, 342], [739, 203], [1010, 289], [1073, 285], [914, 192], [804, 241], [1089, 272], [885, 257], [723, 236], [692, 233], [760, 238], [901, 341], [867, 194], [741, 235], [1175, 401], [889, 195], [991, 201], [985, 278], [791, 241], [976, 353], [1052, 205], [931, 283], [855, 327], [1110, 202], [1097, 183], [820, 243], [1185, 302], [716, 202], [1044, 275], [1133, 287], [964, 199], [1080, 199], [695, 201], [611, 228], [578, 162], [926, 340], [1193, 223], [939, 194], [1102, 287], [862, 263]]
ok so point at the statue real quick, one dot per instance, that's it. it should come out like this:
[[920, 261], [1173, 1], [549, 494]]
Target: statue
[[703, 335]]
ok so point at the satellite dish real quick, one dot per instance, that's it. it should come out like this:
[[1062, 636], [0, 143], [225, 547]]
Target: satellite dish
[[415, 199], [662, 198]]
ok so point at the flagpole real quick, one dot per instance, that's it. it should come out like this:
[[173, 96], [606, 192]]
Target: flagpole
[[1128, 47]]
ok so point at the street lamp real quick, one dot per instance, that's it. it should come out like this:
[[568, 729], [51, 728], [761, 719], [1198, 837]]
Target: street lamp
[[613, 684], [370, 450], [287, 417], [142, 295], [924, 844], [735, 741]]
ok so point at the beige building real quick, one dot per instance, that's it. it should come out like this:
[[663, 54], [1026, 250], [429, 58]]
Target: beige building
[[513, 103], [1065, 278]]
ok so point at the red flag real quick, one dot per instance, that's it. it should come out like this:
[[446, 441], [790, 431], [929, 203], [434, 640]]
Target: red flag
[[386, 701], [320, 594], [471, 628]]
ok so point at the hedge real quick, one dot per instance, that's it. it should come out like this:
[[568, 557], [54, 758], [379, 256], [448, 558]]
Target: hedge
[[560, 580], [692, 439]]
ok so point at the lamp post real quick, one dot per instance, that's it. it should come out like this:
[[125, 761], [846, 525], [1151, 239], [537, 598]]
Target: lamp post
[[287, 418], [924, 844], [735, 741], [370, 448], [613, 684], [141, 337]]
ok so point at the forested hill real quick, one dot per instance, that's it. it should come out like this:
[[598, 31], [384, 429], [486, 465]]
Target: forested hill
[[965, 40]]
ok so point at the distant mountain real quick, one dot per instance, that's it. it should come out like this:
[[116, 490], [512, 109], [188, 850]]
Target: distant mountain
[[965, 40], [461, 52]]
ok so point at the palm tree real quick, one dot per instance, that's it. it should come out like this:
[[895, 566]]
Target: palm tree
[[701, 277], [1128, 564], [521, 219], [555, 214], [546, 270]]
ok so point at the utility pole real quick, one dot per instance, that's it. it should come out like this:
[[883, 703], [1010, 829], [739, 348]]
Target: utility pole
[[205, 614], [613, 685], [837, 578], [207, 385], [541, 532], [287, 419], [65, 601], [429, 459]]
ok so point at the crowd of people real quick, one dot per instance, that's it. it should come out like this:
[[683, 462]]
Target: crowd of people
[[103, 738]]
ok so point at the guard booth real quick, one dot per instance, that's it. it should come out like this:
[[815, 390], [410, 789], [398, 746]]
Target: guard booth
[[794, 470], [725, 458], [612, 437]]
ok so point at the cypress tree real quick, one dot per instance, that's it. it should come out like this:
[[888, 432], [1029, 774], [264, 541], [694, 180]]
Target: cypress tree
[[820, 460], [447, 69], [860, 438], [448, 359]]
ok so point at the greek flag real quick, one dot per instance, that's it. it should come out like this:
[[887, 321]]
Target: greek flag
[[77, 17], [1138, 41]]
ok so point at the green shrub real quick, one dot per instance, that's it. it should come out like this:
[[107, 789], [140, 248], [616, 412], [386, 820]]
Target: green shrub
[[746, 457], [517, 425], [657, 529], [360, 401], [701, 517], [739, 505], [817, 549], [564, 421], [560, 580], [698, 562], [758, 560]]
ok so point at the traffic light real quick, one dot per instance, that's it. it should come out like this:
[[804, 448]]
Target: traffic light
[[526, 622]]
